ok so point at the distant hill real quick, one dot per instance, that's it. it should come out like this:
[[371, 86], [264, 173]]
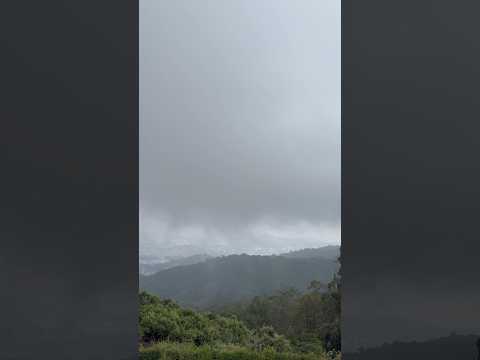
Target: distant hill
[[458, 347], [152, 268], [331, 252], [235, 278]]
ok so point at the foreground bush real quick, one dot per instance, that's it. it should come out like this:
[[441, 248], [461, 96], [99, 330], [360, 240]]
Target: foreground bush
[[185, 351], [164, 320]]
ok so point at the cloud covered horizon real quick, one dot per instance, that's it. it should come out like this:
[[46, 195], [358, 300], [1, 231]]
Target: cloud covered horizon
[[239, 126]]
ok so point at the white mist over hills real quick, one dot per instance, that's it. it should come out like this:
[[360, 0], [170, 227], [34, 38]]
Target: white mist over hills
[[163, 239], [201, 281], [240, 127], [151, 265]]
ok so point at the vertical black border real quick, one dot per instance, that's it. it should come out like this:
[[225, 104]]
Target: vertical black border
[[410, 175], [69, 179]]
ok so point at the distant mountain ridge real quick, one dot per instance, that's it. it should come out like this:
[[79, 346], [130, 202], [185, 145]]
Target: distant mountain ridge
[[152, 268], [458, 347], [331, 252], [235, 278]]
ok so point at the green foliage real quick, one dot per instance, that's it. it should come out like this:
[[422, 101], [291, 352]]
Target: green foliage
[[265, 337], [287, 325], [188, 351], [164, 320], [311, 321]]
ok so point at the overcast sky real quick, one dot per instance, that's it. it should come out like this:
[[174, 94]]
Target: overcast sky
[[239, 126]]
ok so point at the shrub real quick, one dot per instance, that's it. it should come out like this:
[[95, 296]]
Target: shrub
[[188, 351]]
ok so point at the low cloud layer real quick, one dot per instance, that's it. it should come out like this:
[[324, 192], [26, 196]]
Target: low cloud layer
[[239, 126], [162, 238]]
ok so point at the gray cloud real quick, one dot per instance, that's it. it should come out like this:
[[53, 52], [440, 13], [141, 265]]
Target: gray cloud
[[239, 123]]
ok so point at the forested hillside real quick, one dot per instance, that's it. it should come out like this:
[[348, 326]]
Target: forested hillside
[[311, 329], [235, 278], [309, 320]]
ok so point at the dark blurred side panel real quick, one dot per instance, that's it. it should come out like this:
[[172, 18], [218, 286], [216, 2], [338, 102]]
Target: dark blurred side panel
[[410, 179], [69, 179]]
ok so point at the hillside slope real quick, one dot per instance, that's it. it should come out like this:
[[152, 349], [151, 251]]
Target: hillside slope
[[152, 268], [236, 277], [331, 252]]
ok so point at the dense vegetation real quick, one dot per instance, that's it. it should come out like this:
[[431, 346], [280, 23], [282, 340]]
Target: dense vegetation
[[168, 331], [235, 278], [287, 325], [164, 320], [311, 321], [186, 351]]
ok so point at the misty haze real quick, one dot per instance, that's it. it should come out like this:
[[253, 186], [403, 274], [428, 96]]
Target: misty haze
[[240, 177]]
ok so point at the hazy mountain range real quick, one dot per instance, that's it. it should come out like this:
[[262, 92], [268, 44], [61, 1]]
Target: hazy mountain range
[[149, 266], [331, 252], [152, 268], [227, 279]]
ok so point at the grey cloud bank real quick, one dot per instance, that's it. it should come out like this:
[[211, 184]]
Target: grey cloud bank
[[239, 126]]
